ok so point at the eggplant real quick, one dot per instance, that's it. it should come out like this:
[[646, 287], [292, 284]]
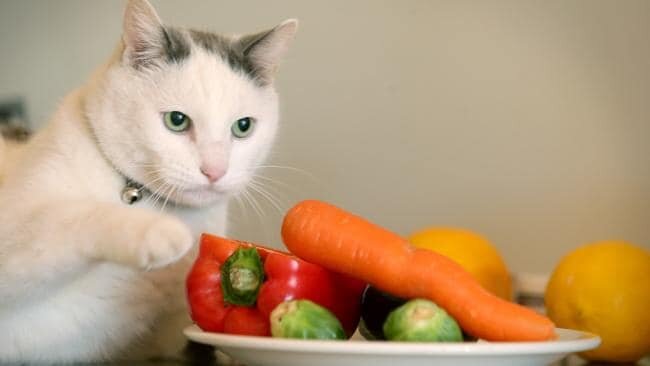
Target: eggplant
[[375, 307]]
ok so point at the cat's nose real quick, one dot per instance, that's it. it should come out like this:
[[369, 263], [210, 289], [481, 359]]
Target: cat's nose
[[213, 173]]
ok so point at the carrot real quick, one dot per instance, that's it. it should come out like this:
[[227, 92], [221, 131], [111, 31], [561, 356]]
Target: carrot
[[338, 240]]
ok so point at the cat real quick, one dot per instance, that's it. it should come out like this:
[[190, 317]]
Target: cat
[[12, 138], [100, 217]]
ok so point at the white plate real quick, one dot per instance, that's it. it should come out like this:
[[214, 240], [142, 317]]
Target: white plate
[[265, 351]]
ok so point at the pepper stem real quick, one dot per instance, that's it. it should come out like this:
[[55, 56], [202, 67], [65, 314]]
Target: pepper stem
[[241, 277]]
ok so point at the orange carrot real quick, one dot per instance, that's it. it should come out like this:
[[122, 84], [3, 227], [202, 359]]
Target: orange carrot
[[338, 240]]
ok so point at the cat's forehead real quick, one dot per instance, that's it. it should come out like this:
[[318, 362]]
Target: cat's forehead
[[180, 44], [205, 86]]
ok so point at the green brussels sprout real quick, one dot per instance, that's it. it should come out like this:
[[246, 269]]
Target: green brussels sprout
[[304, 319], [420, 320]]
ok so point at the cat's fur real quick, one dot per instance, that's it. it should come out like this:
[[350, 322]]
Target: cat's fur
[[85, 276]]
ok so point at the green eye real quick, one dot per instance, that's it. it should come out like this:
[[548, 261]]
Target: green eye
[[177, 121], [242, 127]]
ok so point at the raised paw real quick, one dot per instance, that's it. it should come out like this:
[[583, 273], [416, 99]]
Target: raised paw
[[164, 242]]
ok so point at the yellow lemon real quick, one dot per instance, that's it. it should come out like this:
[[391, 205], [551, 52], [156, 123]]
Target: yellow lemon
[[604, 288], [473, 252]]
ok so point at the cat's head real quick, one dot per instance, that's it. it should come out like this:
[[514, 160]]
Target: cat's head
[[188, 114]]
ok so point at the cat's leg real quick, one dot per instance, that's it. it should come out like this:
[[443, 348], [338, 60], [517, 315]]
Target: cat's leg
[[40, 247]]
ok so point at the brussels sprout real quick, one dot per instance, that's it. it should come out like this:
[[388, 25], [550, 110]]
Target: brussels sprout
[[304, 319], [421, 320]]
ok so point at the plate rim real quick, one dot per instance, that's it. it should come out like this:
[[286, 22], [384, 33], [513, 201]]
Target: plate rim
[[580, 341]]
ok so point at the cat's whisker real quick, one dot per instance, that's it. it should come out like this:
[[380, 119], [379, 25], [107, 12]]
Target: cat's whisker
[[158, 173], [273, 186], [153, 198], [243, 213], [163, 194], [179, 192], [168, 194], [160, 195], [257, 202], [286, 167], [151, 175], [253, 204], [155, 195], [274, 201], [241, 196], [270, 180], [266, 196], [152, 167], [239, 202], [155, 173], [144, 165], [149, 183]]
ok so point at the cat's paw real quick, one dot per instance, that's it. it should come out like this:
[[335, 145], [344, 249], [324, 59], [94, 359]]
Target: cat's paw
[[163, 242]]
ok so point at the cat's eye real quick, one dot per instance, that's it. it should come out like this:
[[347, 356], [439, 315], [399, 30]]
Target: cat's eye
[[243, 127], [177, 121]]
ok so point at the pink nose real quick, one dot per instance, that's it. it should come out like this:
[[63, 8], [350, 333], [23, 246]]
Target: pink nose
[[213, 173]]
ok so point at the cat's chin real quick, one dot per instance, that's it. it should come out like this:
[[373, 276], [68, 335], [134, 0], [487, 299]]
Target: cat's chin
[[199, 198]]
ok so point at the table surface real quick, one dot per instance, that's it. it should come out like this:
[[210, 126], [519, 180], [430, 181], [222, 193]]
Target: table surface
[[223, 361]]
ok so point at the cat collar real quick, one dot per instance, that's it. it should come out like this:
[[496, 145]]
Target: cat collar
[[132, 192]]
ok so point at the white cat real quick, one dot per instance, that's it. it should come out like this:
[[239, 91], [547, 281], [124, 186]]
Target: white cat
[[180, 116], [10, 149]]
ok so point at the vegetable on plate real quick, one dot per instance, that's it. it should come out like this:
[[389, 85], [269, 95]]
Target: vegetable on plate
[[304, 319], [421, 320], [375, 307], [236, 293], [324, 234]]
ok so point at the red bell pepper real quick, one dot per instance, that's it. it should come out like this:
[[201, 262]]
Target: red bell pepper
[[286, 277]]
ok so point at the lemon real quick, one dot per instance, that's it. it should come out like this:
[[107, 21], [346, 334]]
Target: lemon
[[472, 251], [604, 288]]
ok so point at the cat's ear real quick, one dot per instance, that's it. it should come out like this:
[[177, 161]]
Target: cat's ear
[[265, 50], [142, 33]]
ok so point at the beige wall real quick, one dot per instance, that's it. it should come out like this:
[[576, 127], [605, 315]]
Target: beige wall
[[527, 121]]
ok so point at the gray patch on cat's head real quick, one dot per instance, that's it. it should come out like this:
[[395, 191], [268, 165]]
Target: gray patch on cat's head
[[166, 45], [256, 55], [230, 51], [148, 43], [176, 47]]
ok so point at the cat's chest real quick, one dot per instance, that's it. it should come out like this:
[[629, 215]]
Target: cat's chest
[[87, 305], [199, 219]]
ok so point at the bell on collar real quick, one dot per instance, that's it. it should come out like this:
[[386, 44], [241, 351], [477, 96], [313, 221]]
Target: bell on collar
[[131, 194]]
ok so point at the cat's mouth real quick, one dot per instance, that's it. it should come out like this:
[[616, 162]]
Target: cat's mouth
[[192, 194]]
